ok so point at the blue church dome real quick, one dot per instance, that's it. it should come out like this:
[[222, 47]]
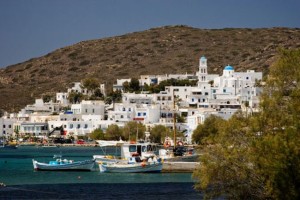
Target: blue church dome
[[228, 67]]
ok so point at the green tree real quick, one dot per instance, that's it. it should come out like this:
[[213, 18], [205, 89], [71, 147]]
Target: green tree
[[226, 168], [2, 112], [97, 134], [156, 88], [278, 148], [48, 97], [75, 97], [258, 156], [113, 132], [114, 96], [180, 119], [126, 86], [131, 129], [210, 127], [158, 133], [134, 85], [98, 93], [90, 84]]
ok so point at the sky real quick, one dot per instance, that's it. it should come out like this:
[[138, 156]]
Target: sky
[[33, 28]]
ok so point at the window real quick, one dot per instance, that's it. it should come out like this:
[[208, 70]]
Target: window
[[139, 114], [86, 110], [132, 148], [71, 126], [122, 116], [144, 114], [144, 149], [129, 109], [9, 126], [78, 125], [4, 126], [93, 110], [85, 126]]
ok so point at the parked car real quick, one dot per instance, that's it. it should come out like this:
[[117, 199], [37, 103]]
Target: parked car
[[62, 141], [80, 141], [179, 151]]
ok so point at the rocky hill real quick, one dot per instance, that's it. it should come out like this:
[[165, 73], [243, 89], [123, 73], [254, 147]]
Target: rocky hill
[[163, 50]]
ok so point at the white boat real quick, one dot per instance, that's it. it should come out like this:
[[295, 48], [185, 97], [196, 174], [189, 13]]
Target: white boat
[[64, 165], [128, 150], [134, 165], [180, 159]]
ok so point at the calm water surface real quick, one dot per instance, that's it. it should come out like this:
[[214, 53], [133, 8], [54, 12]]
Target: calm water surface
[[22, 182]]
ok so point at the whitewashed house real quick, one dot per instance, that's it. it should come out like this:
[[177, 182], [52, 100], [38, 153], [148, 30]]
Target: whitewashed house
[[37, 129], [147, 114], [89, 108], [7, 127], [40, 107], [123, 112], [119, 84], [137, 98], [62, 98]]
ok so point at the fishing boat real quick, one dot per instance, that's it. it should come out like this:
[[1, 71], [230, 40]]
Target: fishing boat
[[64, 165], [133, 165], [127, 150], [180, 159]]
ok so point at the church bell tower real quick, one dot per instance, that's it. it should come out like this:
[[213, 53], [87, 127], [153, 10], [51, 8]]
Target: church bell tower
[[202, 75]]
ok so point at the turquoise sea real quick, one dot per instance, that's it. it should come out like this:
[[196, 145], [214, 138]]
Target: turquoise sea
[[22, 182]]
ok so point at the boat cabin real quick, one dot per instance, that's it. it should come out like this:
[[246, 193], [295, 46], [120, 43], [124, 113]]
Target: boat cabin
[[143, 150]]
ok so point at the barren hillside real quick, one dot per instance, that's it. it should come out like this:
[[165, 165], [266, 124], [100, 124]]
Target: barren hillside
[[163, 50]]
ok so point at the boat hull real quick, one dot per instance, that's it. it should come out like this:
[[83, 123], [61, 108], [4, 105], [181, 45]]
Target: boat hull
[[106, 159], [132, 168], [86, 165]]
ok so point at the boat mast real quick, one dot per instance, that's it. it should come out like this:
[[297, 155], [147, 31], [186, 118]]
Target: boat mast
[[174, 121], [137, 132]]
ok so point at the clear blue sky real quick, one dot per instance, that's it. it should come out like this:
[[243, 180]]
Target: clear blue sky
[[32, 28]]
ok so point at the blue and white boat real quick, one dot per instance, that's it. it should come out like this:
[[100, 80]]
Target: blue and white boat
[[64, 165], [133, 165]]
